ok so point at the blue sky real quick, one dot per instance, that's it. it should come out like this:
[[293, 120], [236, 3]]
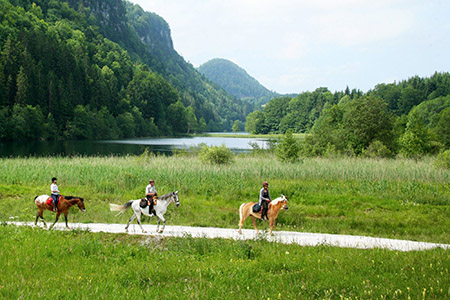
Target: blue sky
[[291, 46]]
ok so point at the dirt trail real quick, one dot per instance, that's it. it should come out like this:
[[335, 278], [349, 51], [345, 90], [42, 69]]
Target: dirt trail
[[286, 237]]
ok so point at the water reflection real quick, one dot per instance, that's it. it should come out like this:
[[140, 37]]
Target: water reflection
[[120, 147]]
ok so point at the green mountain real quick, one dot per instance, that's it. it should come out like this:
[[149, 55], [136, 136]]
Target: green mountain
[[88, 69], [235, 80]]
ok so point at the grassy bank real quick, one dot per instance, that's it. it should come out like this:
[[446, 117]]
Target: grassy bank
[[390, 198], [81, 265]]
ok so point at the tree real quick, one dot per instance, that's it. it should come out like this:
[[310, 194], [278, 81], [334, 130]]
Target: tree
[[176, 117], [191, 120], [274, 112], [288, 148], [416, 140], [250, 124], [442, 128], [366, 120], [236, 126]]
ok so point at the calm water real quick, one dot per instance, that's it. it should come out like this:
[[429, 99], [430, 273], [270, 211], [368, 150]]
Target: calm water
[[121, 147]]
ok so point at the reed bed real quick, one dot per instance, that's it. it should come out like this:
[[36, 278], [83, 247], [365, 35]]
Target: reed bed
[[392, 198]]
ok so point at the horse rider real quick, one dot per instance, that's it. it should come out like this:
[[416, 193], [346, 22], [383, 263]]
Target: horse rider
[[150, 193], [54, 194], [264, 200]]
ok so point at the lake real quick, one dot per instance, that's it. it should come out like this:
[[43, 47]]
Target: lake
[[123, 146]]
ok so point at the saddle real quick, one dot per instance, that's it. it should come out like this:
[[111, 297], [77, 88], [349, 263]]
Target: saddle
[[50, 200], [143, 203]]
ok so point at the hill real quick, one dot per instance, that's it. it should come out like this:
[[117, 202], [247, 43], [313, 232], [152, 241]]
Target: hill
[[235, 80], [85, 69]]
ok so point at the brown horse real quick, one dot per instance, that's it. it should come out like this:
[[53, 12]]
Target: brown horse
[[275, 206], [64, 204]]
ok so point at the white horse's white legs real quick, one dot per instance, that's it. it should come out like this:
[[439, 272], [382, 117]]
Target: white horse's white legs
[[129, 221], [138, 217], [160, 217]]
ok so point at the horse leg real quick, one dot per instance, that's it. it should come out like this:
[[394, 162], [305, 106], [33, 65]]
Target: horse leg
[[41, 214], [271, 225], [241, 223], [254, 224], [129, 221], [138, 218], [157, 227], [42, 218], [164, 223], [57, 217], [65, 217]]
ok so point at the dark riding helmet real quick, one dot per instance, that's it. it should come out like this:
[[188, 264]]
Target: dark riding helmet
[[54, 178], [265, 183]]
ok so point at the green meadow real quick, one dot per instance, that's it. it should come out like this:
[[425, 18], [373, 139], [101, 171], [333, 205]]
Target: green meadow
[[41, 264], [405, 199]]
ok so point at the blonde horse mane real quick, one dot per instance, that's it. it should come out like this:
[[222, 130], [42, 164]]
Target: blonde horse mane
[[275, 202]]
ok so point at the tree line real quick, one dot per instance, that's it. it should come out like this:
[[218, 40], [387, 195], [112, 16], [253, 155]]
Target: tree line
[[410, 118]]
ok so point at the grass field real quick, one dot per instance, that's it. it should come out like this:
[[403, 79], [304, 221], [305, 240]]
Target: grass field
[[403, 199], [40, 264]]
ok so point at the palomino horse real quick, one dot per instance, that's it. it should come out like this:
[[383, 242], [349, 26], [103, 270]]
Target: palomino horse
[[64, 204], [275, 206], [160, 208]]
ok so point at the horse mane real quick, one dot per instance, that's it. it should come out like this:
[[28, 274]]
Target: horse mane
[[275, 202], [73, 197], [165, 196]]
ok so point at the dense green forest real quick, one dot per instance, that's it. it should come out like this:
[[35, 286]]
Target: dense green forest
[[236, 81], [410, 117], [97, 70]]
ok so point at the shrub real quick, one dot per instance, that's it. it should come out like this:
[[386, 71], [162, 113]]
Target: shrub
[[377, 150], [215, 155], [443, 160]]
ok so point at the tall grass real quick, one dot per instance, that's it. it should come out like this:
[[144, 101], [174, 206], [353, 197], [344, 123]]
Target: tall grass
[[39, 264], [392, 198]]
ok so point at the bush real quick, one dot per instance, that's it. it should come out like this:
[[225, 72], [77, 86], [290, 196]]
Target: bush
[[215, 155], [377, 150], [443, 160]]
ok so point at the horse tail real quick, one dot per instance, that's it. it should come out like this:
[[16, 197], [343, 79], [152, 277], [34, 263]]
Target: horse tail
[[240, 210], [120, 208]]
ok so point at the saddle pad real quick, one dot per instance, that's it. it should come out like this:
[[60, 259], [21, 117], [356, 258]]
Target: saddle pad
[[50, 201], [256, 208]]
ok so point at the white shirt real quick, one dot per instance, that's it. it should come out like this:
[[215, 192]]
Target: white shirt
[[150, 189], [53, 188]]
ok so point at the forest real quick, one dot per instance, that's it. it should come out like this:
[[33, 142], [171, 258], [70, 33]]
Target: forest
[[410, 118], [100, 70]]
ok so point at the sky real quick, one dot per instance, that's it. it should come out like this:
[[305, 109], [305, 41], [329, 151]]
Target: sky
[[292, 46]]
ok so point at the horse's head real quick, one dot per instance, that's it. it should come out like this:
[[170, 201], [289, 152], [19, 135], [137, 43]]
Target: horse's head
[[175, 198], [81, 205], [284, 201]]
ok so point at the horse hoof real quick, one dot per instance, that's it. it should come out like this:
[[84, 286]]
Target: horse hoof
[[239, 231], [143, 231], [161, 231]]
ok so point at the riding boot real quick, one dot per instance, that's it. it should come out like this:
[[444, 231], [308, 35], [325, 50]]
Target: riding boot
[[150, 208]]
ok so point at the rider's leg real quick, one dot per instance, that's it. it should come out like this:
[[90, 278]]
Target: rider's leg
[[265, 206], [55, 199]]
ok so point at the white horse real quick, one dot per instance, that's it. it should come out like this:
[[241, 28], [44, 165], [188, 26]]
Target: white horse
[[160, 208]]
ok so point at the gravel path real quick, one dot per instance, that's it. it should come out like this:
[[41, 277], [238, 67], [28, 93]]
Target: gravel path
[[286, 237]]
